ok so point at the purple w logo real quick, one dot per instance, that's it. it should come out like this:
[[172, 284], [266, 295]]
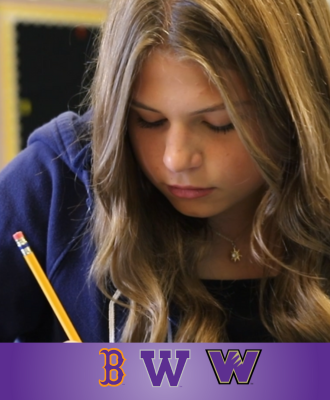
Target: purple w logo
[[233, 365], [165, 366]]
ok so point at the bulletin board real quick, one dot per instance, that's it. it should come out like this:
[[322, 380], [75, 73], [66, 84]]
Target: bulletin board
[[43, 51]]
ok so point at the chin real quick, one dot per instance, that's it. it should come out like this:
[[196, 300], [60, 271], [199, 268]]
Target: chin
[[194, 212]]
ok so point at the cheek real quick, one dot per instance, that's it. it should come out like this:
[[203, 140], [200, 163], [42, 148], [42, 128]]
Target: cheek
[[249, 176], [242, 172], [147, 153]]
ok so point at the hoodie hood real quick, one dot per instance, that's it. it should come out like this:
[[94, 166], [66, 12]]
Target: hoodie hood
[[69, 136]]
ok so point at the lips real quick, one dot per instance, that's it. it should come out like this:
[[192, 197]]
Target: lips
[[189, 192]]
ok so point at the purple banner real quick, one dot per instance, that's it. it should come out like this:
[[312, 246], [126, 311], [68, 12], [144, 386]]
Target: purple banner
[[164, 371]]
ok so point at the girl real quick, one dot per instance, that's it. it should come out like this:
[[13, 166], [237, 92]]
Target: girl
[[192, 202]]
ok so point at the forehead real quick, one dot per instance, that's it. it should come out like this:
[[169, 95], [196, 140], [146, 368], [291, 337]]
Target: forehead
[[167, 66], [164, 72]]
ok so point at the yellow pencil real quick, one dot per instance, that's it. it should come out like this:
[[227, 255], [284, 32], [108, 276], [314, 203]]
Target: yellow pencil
[[46, 287]]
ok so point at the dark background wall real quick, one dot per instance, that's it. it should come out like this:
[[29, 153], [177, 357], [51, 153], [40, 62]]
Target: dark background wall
[[52, 62]]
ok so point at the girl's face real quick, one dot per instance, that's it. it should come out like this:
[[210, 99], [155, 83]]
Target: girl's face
[[185, 142]]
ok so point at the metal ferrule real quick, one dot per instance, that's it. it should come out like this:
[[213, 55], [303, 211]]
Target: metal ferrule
[[21, 242], [26, 251]]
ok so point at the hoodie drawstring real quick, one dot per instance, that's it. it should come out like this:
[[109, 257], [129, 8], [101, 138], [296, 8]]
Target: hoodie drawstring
[[112, 319]]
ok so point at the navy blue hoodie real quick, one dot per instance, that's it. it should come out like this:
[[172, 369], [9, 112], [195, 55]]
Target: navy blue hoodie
[[45, 192]]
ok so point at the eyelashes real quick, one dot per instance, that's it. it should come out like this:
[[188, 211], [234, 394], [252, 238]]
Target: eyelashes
[[153, 125], [221, 129], [150, 125]]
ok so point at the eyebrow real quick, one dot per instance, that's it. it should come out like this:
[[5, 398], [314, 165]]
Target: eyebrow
[[216, 107]]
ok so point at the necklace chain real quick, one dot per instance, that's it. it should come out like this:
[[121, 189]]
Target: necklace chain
[[228, 240], [235, 253]]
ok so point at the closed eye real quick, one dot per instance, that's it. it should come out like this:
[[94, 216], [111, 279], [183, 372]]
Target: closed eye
[[156, 124], [150, 125], [221, 129]]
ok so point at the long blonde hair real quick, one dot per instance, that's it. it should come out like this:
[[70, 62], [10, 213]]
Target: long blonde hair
[[147, 249]]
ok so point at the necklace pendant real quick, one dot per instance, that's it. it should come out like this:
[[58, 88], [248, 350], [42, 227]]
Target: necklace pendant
[[235, 255]]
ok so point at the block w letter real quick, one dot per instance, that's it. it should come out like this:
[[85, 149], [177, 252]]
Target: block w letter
[[165, 367], [233, 365]]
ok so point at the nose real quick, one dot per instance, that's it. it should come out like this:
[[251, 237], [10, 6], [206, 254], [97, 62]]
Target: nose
[[182, 150]]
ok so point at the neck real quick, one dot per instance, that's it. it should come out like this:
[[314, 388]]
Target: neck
[[217, 265], [232, 232], [233, 221]]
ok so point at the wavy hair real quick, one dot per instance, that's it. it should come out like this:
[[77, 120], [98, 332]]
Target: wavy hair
[[147, 249]]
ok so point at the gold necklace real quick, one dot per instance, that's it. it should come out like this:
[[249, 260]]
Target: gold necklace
[[235, 254]]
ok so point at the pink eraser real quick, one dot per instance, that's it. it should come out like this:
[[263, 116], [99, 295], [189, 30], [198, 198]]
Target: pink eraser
[[18, 235]]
